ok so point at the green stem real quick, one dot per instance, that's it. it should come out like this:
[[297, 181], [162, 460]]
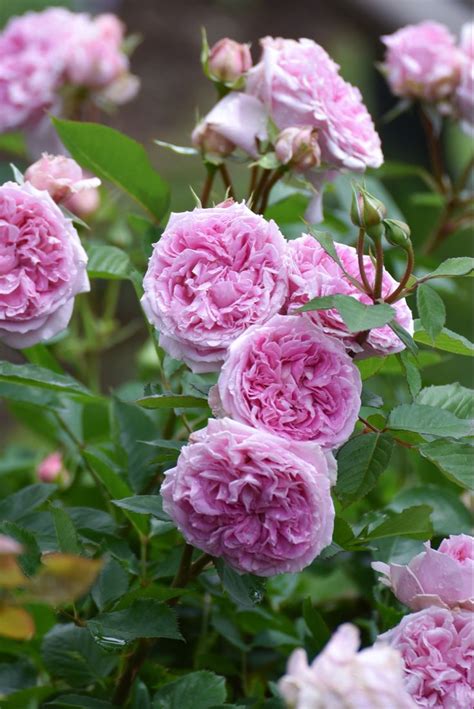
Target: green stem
[[360, 260], [435, 152], [207, 187], [227, 181], [406, 276], [253, 182], [378, 269], [277, 175]]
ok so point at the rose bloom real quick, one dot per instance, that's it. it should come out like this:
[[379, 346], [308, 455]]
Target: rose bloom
[[289, 378], [238, 120], [442, 578], [213, 273], [42, 266], [301, 87], [260, 502], [299, 148], [422, 61], [437, 648], [313, 273], [60, 176], [342, 678]]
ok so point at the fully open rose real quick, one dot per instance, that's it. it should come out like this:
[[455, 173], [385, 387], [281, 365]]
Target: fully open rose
[[260, 502], [313, 273], [213, 273], [42, 266], [288, 377], [437, 648], [342, 678]]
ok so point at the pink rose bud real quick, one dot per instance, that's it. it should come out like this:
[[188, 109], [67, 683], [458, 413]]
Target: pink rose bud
[[84, 203], [313, 273], [443, 578], [298, 148], [260, 502], [344, 678], [209, 141], [52, 469], [36, 238], [9, 545], [436, 649], [229, 60], [62, 177], [422, 61]]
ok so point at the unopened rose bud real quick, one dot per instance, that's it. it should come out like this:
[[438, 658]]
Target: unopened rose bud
[[397, 233], [367, 212], [62, 177], [229, 60], [299, 148], [208, 140], [52, 470], [84, 203]]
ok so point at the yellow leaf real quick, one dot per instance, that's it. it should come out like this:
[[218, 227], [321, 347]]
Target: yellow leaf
[[10, 573], [16, 623], [63, 578]]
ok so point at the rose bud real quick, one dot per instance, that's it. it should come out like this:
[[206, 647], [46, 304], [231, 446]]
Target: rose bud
[[62, 177], [228, 60], [84, 203], [299, 148], [210, 141], [397, 233], [367, 211], [52, 470]]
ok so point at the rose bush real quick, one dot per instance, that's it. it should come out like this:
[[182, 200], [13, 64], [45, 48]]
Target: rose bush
[[208, 452]]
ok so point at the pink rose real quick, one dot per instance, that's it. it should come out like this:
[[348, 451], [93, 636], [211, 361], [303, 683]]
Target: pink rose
[[259, 501], [422, 61], [239, 119], [313, 273], [51, 469], [442, 578], [299, 148], [229, 60], [60, 176], [42, 266], [437, 649], [300, 85], [287, 377], [213, 273], [342, 678]]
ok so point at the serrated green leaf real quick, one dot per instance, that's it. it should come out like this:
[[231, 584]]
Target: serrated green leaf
[[357, 316], [195, 690], [20, 503], [431, 310], [173, 401], [143, 619], [447, 340], [449, 515], [108, 262], [360, 462], [412, 373], [144, 505], [428, 420], [414, 522], [244, 589], [111, 584], [451, 397], [316, 624], [454, 458], [38, 377], [457, 266], [66, 534]]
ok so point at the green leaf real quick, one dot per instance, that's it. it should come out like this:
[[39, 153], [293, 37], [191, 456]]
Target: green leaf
[[78, 701], [143, 619], [451, 397], [431, 310], [31, 697], [117, 158], [404, 336], [70, 653], [360, 462], [144, 505], [370, 366], [38, 377], [317, 626], [173, 401], [195, 690], [66, 534], [111, 584], [39, 354], [108, 262], [447, 340], [21, 503], [357, 316], [449, 515], [412, 373], [454, 459], [428, 420], [244, 589], [458, 266], [414, 522]]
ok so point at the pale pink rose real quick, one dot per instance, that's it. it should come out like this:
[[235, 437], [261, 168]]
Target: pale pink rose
[[422, 61], [60, 176], [240, 119], [32, 57], [9, 545], [260, 502], [84, 203], [300, 85], [437, 648], [287, 377], [313, 273], [50, 469], [299, 148], [342, 678], [229, 60], [213, 273], [442, 578], [42, 266]]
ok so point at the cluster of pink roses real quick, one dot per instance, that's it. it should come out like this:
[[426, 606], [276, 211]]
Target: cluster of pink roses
[[43, 52], [425, 661], [223, 288], [324, 125], [424, 63]]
